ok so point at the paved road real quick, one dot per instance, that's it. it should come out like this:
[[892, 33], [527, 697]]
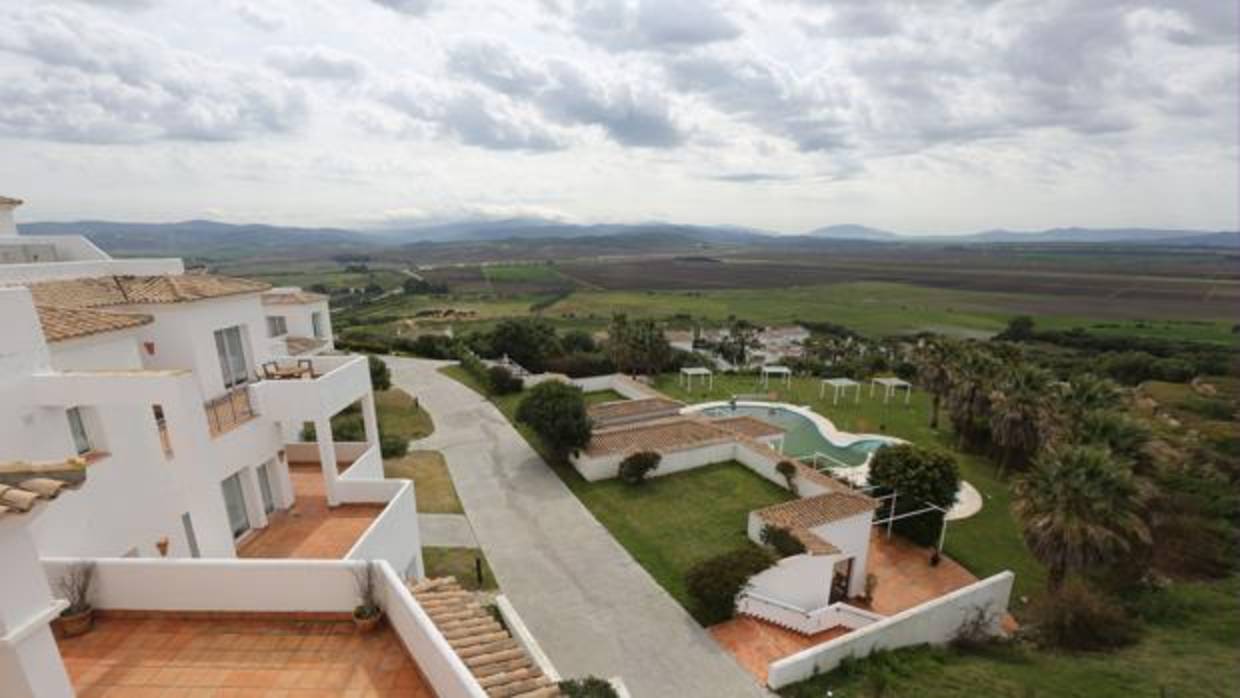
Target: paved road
[[593, 609], [446, 531]]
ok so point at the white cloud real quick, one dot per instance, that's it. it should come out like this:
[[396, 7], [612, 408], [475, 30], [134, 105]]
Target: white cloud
[[316, 63]]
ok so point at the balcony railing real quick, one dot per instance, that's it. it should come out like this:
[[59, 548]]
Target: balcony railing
[[230, 410]]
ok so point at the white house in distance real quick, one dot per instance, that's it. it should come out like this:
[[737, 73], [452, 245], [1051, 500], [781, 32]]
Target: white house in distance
[[174, 404]]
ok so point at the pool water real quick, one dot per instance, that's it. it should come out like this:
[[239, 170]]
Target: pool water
[[802, 438]]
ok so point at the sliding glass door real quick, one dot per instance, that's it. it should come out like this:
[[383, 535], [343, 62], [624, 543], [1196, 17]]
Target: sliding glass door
[[231, 350], [234, 501]]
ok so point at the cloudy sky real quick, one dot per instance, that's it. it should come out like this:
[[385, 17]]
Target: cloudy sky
[[916, 116]]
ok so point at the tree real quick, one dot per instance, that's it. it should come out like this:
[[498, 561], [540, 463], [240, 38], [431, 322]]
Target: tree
[[501, 381], [637, 347], [919, 476], [527, 341], [634, 468], [934, 372], [557, 413], [1087, 392], [578, 341], [715, 582], [380, 376], [789, 470], [1022, 415], [1079, 509], [1019, 329], [741, 337], [968, 399]]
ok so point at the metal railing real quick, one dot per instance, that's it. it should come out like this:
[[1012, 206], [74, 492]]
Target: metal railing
[[230, 410]]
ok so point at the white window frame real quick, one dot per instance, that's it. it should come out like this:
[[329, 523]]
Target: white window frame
[[277, 326], [316, 324], [77, 429], [234, 364]]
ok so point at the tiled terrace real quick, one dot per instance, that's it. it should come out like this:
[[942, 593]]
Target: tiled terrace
[[905, 580], [166, 655], [310, 529]]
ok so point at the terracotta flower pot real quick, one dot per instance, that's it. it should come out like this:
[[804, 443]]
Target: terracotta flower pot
[[75, 624], [366, 624]]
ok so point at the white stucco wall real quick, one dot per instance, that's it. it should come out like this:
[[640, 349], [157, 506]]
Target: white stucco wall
[[935, 622], [852, 537]]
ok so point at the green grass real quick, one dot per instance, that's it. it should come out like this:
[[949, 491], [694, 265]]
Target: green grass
[[459, 563], [598, 396], [672, 522], [1190, 653], [986, 544], [432, 482], [401, 415]]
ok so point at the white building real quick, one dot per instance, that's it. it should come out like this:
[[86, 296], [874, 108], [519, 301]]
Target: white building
[[180, 396]]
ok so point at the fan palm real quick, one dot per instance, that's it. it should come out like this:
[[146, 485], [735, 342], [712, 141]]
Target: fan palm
[[1022, 418], [934, 372], [1079, 508], [968, 399]]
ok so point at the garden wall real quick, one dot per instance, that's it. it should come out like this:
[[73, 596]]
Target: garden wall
[[934, 622]]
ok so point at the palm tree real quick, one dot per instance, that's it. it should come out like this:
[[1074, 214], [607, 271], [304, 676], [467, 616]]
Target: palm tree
[[1022, 416], [968, 399], [934, 372], [1079, 508], [1087, 392]]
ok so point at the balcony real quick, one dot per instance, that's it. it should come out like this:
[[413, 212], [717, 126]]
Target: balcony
[[304, 390], [311, 529], [229, 411]]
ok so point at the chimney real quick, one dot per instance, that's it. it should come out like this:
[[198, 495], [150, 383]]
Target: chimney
[[8, 227]]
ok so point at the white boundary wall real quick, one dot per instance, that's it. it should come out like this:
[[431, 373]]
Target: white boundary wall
[[265, 586], [394, 535], [934, 622]]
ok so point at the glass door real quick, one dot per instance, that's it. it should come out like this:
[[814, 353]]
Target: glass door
[[264, 485], [233, 365], [234, 501]]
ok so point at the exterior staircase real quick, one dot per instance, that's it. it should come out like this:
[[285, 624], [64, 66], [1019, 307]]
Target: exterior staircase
[[501, 665]]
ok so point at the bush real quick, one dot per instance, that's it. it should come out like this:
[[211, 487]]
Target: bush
[[578, 341], [788, 470], [919, 475], [714, 582], [557, 413], [782, 540], [392, 446], [589, 687], [581, 364], [380, 376], [1079, 619], [501, 381], [429, 346], [634, 468]]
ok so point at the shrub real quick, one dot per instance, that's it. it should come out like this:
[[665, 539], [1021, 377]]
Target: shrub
[[714, 582], [527, 341], [578, 341], [429, 346], [380, 376], [789, 470], [501, 381], [581, 364], [1078, 618], [557, 413], [919, 475], [588, 687], [634, 468], [782, 540], [392, 446]]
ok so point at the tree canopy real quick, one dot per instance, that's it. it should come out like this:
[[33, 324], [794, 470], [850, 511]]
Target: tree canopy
[[557, 412]]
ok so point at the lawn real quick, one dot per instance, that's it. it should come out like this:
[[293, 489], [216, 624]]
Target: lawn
[[986, 543], [1190, 651], [401, 415], [670, 523], [598, 396], [460, 563], [432, 482]]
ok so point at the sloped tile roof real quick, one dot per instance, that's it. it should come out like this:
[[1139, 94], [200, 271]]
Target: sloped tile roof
[[292, 298], [501, 665], [105, 291], [799, 516], [24, 484], [60, 324], [749, 426], [620, 410], [301, 345], [661, 435]]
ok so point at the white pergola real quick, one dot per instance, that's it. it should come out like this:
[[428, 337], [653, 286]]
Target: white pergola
[[890, 385], [688, 374], [840, 385], [768, 371]]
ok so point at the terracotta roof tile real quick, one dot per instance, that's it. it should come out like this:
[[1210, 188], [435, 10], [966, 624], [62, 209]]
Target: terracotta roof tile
[[799, 516], [23, 484], [672, 434], [105, 291], [301, 345], [60, 324], [631, 410], [749, 426]]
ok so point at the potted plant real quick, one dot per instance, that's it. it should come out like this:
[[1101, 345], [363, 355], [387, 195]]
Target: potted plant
[[367, 613], [79, 617]]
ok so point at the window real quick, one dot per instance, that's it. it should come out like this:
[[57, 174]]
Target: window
[[277, 326], [231, 351], [234, 501], [316, 322], [81, 440], [188, 524], [264, 486]]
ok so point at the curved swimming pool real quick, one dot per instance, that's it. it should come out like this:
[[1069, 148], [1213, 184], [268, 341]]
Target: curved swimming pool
[[803, 438]]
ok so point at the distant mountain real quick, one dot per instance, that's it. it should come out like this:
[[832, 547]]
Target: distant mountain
[[539, 229], [1092, 235], [201, 237], [851, 231]]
